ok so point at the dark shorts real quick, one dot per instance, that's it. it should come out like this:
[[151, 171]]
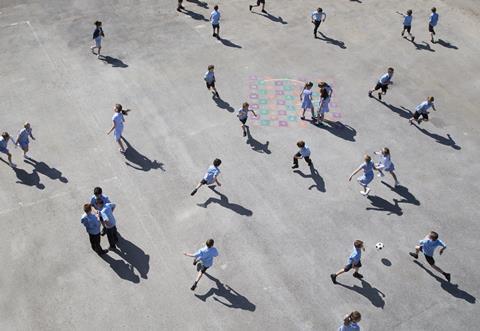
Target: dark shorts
[[216, 26], [260, 1], [243, 120], [351, 265], [212, 84], [429, 259], [203, 182], [430, 29], [317, 23], [417, 115], [4, 150], [407, 27], [381, 86]]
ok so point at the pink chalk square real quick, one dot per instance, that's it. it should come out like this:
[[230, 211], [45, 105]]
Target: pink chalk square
[[254, 106], [253, 96], [282, 112], [271, 96], [279, 92], [253, 77], [280, 102], [283, 123], [302, 124]]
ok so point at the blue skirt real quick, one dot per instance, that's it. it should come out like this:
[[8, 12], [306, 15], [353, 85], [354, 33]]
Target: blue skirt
[[366, 178], [307, 104]]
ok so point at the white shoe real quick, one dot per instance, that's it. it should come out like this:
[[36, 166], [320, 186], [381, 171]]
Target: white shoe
[[397, 183], [366, 191], [381, 174]]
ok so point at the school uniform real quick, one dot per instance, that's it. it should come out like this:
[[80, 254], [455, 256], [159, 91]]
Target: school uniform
[[354, 259], [323, 105], [328, 88], [209, 78], [205, 257], [428, 246], [352, 326], [407, 23], [106, 215], [367, 176], [93, 200], [210, 176], [386, 163], [97, 36], [307, 99], [3, 145], [118, 119], [23, 137], [92, 225], [383, 83], [242, 115], [317, 19], [304, 153], [215, 19], [432, 22], [422, 110]]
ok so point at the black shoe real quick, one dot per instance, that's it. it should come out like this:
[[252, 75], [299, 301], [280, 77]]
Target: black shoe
[[181, 7], [244, 134], [193, 192], [112, 248], [379, 96], [104, 232], [415, 255], [195, 261], [217, 95], [413, 39], [447, 276], [357, 275], [103, 252], [295, 166], [264, 11], [250, 7], [194, 286], [178, 9], [310, 164], [214, 34], [370, 94], [334, 278]]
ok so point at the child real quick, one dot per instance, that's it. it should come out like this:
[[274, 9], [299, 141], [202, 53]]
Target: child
[[108, 221], [180, 7], [262, 2], [422, 110], [204, 257], [386, 164], [3, 147], [304, 153], [209, 78], [98, 194], [427, 247], [350, 322], [318, 17], [368, 166], [306, 98], [432, 22], [210, 177], [327, 87], [92, 225], [97, 36], [22, 138], [323, 104], [118, 120], [215, 20], [407, 24], [383, 83], [243, 116], [353, 262]]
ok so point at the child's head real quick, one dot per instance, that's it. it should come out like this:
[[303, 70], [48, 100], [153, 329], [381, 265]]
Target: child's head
[[367, 158], [354, 317], [217, 162], [433, 235], [385, 151], [409, 12], [210, 243], [118, 108], [87, 208], [322, 84], [211, 67], [5, 135], [319, 10], [245, 105], [358, 243], [97, 191], [99, 202], [390, 71], [216, 7], [301, 144], [309, 85], [434, 10], [430, 99], [26, 125], [98, 24]]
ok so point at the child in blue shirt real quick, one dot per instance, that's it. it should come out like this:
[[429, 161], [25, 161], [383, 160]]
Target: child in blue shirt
[[92, 225], [353, 262], [4, 139], [215, 20], [350, 322], [303, 153], [368, 166], [422, 110], [407, 24], [209, 78], [97, 36], [427, 247], [382, 84], [204, 257], [210, 177], [23, 138], [432, 22]]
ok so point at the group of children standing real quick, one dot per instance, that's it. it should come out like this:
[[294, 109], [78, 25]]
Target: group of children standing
[[306, 97]]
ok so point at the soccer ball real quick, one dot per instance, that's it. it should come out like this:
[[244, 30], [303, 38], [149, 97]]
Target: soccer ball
[[379, 246]]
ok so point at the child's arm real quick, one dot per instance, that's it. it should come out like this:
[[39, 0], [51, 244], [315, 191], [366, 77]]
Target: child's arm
[[113, 128], [216, 181], [324, 17], [433, 107], [354, 173], [301, 95], [253, 112], [31, 136]]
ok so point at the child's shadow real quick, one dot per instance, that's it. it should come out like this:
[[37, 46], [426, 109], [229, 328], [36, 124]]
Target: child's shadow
[[371, 293], [139, 161], [448, 141], [256, 145], [223, 104], [27, 179], [315, 176], [44, 169], [272, 18], [199, 3], [115, 63], [332, 41], [381, 204], [422, 46], [223, 201], [401, 111], [404, 192]]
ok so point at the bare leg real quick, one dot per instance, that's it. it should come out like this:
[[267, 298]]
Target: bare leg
[[122, 148], [339, 272], [394, 177]]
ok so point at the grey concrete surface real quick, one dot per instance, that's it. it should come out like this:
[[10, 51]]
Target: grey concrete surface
[[279, 233]]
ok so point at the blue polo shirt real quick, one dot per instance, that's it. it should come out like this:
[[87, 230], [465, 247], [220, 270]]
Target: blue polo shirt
[[354, 258], [350, 327], [424, 106], [211, 174], [429, 245], [215, 17], [433, 19], [91, 222], [206, 255], [407, 21], [93, 200], [107, 215], [385, 79]]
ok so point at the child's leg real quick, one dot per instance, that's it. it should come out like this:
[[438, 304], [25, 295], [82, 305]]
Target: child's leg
[[99, 49], [313, 112], [394, 176], [303, 114], [308, 160], [339, 272], [122, 148], [403, 31]]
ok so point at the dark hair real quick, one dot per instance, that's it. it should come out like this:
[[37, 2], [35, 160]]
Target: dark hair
[[97, 23], [99, 201], [433, 235], [319, 9], [217, 162], [367, 158], [409, 12], [390, 69], [323, 93], [5, 135], [358, 243], [309, 84], [210, 243], [216, 7], [434, 10], [211, 67], [118, 107], [386, 151], [97, 190], [301, 143], [87, 207], [354, 316]]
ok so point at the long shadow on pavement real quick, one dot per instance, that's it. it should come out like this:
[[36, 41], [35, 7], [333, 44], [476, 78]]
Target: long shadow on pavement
[[401, 111], [114, 62], [315, 176], [332, 41], [122, 269], [371, 293], [448, 141], [133, 255], [272, 18], [338, 129], [138, 161], [223, 104], [28, 179], [256, 145], [223, 201], [403, 192], [380, 204], [44, 169]]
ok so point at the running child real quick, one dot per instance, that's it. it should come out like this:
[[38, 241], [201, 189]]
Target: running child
[[306, 98], [242, 115], [259, 2], [323, 105], [118, 119], [215, 20], [3, 147], [432, 23], [350, 322], [353, 262], [422, 110], [367, 166], [209, 78], [204, 257], [427, 247], [382, 84], [318, 17], [407, 24], [303, 153], [210, 177], [386, 164], [97, 36], [22, 138]]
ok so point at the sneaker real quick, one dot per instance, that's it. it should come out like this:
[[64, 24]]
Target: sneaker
[[366, 191], [264, 11], [250, 7], [413, 39], [218, 95], [379, 96], [244, 134], [295, 166], [357, 275], [370, 94], [447, 276], [381, 174], [397, 183], [403, 33], [214, 35], [302, 117], [194, 286], [415, 255], [334, 278], [178, 9], [193, 192]]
